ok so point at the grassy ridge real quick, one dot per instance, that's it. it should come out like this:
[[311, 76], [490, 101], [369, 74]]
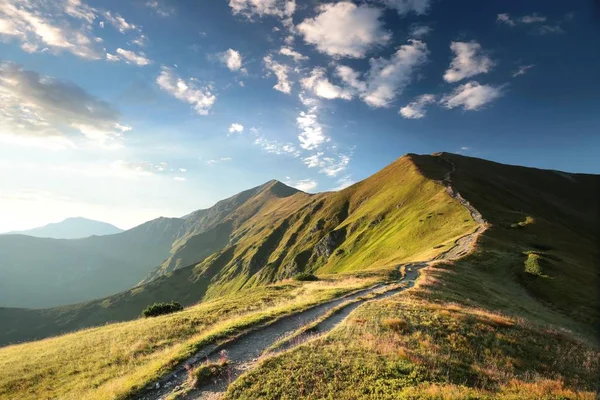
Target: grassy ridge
[[483, 327], [394, 216]]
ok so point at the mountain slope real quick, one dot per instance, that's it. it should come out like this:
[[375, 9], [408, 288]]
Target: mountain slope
[[394, 216], [43, 272], [71, 228]]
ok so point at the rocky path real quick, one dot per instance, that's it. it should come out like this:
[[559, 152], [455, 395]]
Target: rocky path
[[245, 351]]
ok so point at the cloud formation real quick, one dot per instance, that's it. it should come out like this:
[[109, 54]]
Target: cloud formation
[[471, 96], [261, 8], [130, 57], [232, 59], [329, 165], [281, 72], [320, 86], [236, 128], [188, 91], [288, 51], [306, 185], [469, 60], [40, 107], [522, 70], [344, 29], [160, 8], [44, 25], [416, 108]]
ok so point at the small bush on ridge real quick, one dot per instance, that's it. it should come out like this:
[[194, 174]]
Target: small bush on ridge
[[305, 276], [162, 309]]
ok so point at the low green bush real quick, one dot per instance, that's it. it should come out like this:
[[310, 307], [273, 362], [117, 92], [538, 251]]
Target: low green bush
[[157, 309], [305, 276]]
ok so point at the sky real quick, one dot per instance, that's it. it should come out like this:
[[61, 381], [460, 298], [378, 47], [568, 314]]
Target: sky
[[127, 111]]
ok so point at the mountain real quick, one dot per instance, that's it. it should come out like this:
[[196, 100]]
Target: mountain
[[273, 232], [71, 228], [43, 272], [402, 213]]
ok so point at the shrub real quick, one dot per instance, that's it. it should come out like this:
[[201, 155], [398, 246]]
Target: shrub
[[532, 265], [162, 309], [305, 276]]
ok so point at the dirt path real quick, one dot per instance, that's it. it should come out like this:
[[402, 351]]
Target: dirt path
[[244, 352]]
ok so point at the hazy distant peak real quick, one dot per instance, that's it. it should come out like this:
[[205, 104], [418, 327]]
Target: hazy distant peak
[[72, 228]]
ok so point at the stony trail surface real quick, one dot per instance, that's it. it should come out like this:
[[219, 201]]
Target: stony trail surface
[[245, 351]]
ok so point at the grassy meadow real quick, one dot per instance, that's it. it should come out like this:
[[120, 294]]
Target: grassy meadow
[[112, 361]]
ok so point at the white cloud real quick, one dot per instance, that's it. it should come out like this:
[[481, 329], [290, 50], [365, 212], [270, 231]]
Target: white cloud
[[471, 96], [522, 70], [219, 160], [232, 59], [306, 185], [404, 7], [416, 108], [260, 8], [288, 51], [179, 178], [344, 182], [419, 31], [351, 78], [318, 83], [468, 61], [141, 41], [130, 169], [328, 165], [311, 131], [274, 146], [200, 98], [344, 29], [533, 18], [119, 22], [281, 72], [43, 25], [132, 57], [505, 19], [550, 29], [182, 170], [388, 77], [236, 128], [160, 8], [34, 107]]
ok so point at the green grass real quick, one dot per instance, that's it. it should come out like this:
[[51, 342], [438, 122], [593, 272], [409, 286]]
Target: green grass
[[478, 328], [113, 361]]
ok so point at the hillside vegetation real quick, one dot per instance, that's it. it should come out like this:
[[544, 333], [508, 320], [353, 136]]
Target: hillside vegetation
[[274, 232], [483, 327]]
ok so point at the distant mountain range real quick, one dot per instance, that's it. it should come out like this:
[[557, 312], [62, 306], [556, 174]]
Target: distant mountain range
[[71, 228]]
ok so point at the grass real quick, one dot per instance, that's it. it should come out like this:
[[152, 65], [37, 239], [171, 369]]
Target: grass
[[477, 328], [113, 361], [409, 347]]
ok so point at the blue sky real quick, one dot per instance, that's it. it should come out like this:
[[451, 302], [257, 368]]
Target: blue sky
[[126, 111]]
